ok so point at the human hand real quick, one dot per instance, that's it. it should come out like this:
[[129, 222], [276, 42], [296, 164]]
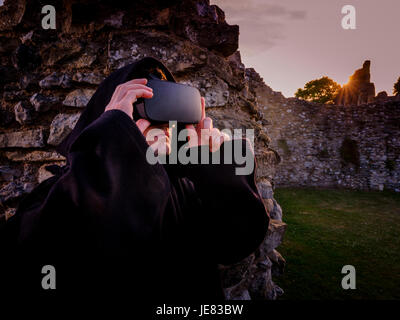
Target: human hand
[[127, 93], [205, 133], [157, 136], [123, 98]]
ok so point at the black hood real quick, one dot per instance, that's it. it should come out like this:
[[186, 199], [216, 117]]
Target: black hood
[[100, 99]]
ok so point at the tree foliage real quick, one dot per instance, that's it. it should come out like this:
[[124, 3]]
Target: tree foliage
[[396, 87], [323, 90]]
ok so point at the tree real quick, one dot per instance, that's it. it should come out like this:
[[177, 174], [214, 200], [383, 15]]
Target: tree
[[323, 90], [396, 87]]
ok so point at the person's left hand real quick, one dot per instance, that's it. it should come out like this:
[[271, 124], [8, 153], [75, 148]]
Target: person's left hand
[[157, 136], [205, 133]]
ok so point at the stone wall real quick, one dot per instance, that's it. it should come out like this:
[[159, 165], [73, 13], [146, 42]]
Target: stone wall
[[48, 76], [354, 147], [351, 146]]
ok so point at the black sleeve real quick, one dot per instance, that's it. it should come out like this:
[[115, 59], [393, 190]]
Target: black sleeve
[[97, 220], [107, 194], [233, 217]]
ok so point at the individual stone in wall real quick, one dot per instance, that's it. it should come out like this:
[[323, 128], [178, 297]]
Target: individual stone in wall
[[23, 139], [9, 173], [15, 190], [43, 103], [88, 78], [33, 156], [43, 172], [61, 126], [78, 98], [55, 80], [23, 112]]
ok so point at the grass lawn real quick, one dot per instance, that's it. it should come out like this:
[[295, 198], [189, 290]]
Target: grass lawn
[[328, 229]]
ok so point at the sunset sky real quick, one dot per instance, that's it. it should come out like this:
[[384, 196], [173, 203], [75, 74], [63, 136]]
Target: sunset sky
[[290, 42]]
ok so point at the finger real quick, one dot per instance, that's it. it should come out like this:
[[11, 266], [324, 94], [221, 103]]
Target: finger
[[151, 133], [204, 136], [161, 147], [162, 135], [136, 93], [129, 88], [132, 96], [190, 128], [203, 113], [152, 139], [216, 140], [225, 136], [138, 81], [117, 91], [142, 124], [136, 85], [207, 123], [192, 135], [203, 108]]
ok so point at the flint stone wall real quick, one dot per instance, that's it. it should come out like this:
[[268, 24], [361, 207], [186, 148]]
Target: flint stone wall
[[332, 146], [355, 147]]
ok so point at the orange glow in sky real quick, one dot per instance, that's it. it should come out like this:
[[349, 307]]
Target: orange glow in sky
[[290, 42]]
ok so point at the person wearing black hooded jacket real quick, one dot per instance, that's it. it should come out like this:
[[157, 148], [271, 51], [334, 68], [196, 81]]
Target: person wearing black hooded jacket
[[112, 224]]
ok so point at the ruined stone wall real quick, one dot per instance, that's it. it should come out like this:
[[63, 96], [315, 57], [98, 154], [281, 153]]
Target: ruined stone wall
[[337, 146], [352, 146], [48, 76]]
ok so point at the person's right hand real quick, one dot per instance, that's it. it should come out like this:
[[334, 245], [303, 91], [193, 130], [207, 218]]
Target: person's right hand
[[205, 133], [127, 93]]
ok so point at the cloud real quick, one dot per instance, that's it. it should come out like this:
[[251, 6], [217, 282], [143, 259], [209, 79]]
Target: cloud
[[257, 10], [261, 24], [260, 36], [298, 14]]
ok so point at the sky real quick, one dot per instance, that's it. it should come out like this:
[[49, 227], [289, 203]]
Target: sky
[[290, 42]]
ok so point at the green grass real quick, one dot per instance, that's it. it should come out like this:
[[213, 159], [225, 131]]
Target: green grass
[[328, 229]]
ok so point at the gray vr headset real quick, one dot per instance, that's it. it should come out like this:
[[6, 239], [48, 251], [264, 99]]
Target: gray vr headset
[[171, 101]]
